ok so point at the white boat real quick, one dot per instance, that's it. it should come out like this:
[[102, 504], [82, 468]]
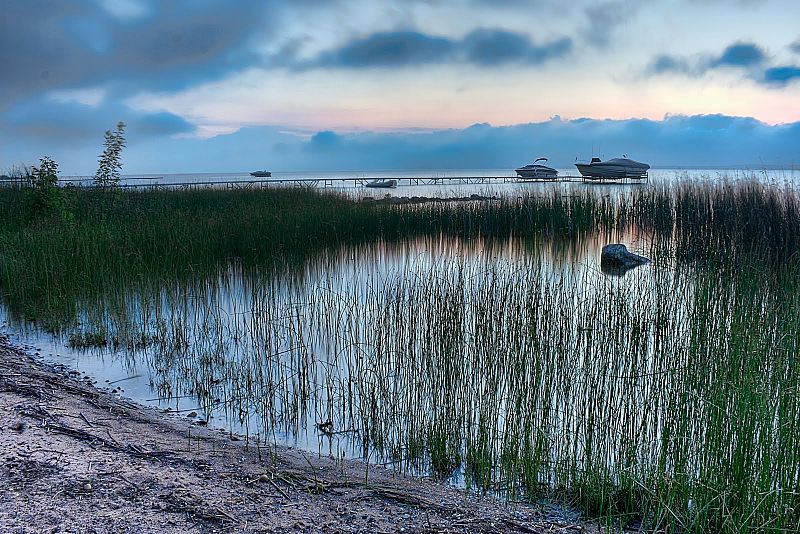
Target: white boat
[[381, 183], [536, 171], [613, 169]]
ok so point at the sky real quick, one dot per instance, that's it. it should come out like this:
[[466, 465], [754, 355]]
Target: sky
[[238, 85]]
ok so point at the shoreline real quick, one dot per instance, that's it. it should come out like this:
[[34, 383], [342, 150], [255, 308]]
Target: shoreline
[[80, 459]]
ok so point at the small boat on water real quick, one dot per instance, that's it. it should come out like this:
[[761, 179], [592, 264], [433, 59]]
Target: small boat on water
[[261, 174], [613, 169], [381, 183], [537, 171]]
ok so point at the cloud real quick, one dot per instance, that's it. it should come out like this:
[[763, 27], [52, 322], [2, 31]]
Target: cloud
[[781, 76], [747, 57], [605, 17], [483, 47], [88, 96], [677, 140], [665, 64], [493, 47], [58, 122], [125, 9], [740, 55], [795, 46], [323, 141], [388, 49], [125, 43], [158, 124]]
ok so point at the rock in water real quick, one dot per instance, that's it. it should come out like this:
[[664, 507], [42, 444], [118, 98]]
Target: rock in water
[[616, 259]]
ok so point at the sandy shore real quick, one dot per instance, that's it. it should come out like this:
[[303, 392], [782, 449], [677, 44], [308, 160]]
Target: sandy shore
[[74, 458]]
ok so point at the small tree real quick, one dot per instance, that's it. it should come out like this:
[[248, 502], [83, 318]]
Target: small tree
[[45, 176], [110, 163], [45, 197]]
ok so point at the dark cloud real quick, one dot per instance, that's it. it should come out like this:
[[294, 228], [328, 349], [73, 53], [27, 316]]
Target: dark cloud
[[740, 55], [780, 76], [158, 124], [484, 47], [747, 57], [795, 46], [492, 47], [50, 123], [389, 49], [47, 45]]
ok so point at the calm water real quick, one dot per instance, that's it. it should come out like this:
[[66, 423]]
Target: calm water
[[275, 354]]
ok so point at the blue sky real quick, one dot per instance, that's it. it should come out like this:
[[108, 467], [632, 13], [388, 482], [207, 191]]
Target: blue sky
[[224, 85]]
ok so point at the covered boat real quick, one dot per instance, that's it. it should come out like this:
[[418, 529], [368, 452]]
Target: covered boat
[[536, 171], [613, 169], [261, 174], [381, 183]]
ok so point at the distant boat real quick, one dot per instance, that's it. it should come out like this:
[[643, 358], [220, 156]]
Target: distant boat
[[261, 174], [535, 171], [381, 183], [613, 169]]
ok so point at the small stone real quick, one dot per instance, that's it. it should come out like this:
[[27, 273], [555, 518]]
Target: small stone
[[19, 426], [87, 487], [191, 414]]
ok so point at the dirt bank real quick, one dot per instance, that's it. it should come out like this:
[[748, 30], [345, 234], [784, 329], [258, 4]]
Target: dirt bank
[[74, 458]]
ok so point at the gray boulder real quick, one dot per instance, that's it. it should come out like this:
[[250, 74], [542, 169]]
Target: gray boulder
[[616, 259]]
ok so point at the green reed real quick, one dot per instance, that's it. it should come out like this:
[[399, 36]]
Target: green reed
[[667, 397]]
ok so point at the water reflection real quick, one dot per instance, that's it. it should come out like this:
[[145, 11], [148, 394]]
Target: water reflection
[[499, 363]]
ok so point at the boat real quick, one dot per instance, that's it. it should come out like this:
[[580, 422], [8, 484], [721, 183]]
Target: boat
[[261, 174], [536, 171], [613, 169], [381, 183]]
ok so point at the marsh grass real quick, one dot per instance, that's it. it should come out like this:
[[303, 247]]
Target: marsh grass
[[667, 397]]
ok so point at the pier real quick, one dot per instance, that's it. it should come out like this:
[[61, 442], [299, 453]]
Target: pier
[[245, 181]]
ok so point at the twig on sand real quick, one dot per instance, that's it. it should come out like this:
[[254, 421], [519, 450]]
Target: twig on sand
[[87, 421], [124, 379], [274, 485]]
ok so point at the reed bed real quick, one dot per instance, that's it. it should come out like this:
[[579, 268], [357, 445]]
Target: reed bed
[[460, 340]]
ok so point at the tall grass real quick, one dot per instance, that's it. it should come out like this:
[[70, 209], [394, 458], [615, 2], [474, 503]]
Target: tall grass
[[118, 238], [665, 398], [462, 338]]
